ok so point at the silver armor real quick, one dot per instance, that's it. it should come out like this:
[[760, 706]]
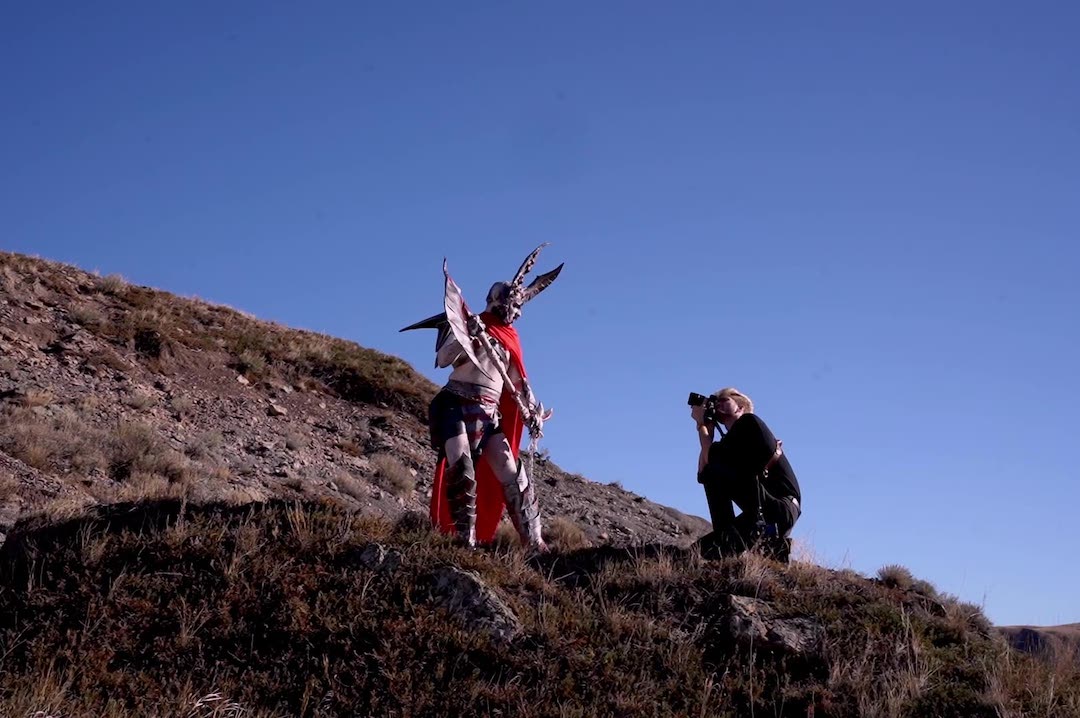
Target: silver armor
[[465, 415]]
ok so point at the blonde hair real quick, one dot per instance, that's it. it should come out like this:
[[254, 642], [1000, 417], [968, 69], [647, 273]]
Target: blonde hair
[[742, 400]]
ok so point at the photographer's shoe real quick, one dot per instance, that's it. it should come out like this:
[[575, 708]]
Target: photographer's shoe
[[709, 546], [778, 548]]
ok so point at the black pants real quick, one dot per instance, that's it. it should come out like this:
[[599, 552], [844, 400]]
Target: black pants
[[733, 534]]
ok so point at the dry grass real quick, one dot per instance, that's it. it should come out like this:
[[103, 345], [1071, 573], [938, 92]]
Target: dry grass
[[350, 447], [109, 359], [393, 475], [140, 400], [136, 448], [965, 616], [64, 509], [87, 317], [36, 397], [9, 486], [204, 446], [604, 631], [896, 576], [1025, 685], [63, 443], [351, 486], [49, 697], [506, 536], [150, 486], [113, 284], [10, 278], [295, 440], [252, 364], [295, 482], [565, 535], [57, 442], [657, 568], [182, 406]]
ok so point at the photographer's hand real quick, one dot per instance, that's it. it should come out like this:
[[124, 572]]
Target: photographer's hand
[[705, 435]]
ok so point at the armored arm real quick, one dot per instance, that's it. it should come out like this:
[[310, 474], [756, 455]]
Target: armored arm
[[537, 413], [449, 352]]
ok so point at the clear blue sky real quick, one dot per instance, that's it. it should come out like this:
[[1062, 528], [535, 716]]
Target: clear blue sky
[[863, 217]]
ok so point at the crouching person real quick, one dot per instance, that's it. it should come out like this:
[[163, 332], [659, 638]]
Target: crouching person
[[747, 467]]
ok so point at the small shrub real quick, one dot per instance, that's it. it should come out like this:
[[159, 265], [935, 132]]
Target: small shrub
[[89, 403], [251, 364], [137, 449], [218, 473], [925, 588], [8, 487], [36, 397], [294, 440], [140, 400], [896, 576], [141, 485], [154, 347], [87, 317], [239, 495], [107, 358], [139, 322], [293, 481], [351, 486], [966, 616], [182, 406], [113, 284], [412, 525], [204, 445], [350, 447]]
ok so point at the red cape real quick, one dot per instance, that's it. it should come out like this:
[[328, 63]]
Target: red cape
[[489, 495]]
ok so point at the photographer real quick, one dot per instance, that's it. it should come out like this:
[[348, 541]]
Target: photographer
[[746, 466]]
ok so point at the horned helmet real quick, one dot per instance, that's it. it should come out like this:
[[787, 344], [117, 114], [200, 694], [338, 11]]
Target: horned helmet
[[505, 299]]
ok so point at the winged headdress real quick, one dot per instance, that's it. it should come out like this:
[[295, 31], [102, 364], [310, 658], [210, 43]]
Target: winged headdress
[[505, 299]]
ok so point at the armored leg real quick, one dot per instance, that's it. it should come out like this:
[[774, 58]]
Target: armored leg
[[518, 491], [461, 488]]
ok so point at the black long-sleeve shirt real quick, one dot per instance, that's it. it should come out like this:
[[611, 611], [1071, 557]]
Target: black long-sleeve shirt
[[742, 453]]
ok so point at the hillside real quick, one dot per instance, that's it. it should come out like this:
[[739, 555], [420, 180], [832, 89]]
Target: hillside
[[1055, 642], [110, 391], [204, 514]]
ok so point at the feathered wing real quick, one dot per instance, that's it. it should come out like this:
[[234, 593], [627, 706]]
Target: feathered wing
[[457, 316], [435, 321], [542, 282], [527, 265]]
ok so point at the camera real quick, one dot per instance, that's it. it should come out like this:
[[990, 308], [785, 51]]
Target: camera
[[709, 402]]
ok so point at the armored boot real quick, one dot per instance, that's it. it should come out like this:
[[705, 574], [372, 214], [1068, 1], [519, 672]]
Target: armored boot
[[461, 498], [523, 508]]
